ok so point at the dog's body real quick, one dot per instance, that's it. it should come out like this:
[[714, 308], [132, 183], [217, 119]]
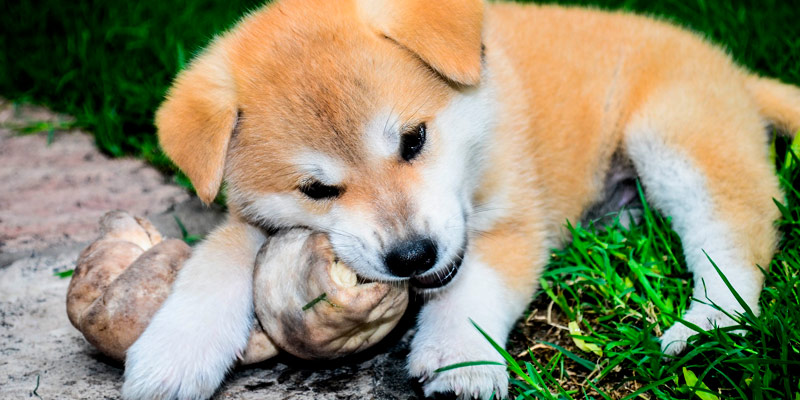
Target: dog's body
[[527, 116]]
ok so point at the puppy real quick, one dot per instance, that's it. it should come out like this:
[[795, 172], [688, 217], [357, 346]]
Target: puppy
[[446, 143]]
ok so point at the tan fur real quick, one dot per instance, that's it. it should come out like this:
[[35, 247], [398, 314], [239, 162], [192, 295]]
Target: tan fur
[[572, 87], [573, 114], [567, 120], [578, 111], [776, 101], [445, 33], [196, 121], [283, 109]]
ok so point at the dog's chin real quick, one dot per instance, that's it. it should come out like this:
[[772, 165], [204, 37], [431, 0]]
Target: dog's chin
[[440, 277]]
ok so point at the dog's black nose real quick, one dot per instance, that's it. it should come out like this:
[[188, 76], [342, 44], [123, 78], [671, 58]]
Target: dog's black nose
[[411, 257]]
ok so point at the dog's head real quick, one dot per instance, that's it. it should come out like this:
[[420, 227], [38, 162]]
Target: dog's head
[[364, 119]]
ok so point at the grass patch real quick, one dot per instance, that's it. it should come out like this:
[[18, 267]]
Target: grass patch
[[106, 63], [619, 289], [185, 236], [64, 274]]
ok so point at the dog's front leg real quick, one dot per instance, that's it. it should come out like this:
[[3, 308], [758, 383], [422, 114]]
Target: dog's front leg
[[203, 325], [495, 284]]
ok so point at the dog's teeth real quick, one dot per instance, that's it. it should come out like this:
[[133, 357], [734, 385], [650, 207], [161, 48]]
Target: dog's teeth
[[343, 276]]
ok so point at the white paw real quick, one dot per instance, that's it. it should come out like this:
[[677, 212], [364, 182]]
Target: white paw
[[168, 367], [187, 349], [474, 382], [675, 339]]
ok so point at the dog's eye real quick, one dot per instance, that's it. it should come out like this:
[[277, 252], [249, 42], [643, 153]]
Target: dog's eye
[[318, 191], [412, 141]]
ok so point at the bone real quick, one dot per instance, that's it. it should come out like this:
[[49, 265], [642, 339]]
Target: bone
[[350, 317], [343, 275], [117, 286], [122, 279]]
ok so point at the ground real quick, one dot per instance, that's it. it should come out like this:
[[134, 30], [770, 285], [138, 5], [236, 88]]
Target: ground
[[51, 197]]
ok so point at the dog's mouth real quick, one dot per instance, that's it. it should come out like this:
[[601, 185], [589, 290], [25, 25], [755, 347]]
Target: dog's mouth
[[441, 277]]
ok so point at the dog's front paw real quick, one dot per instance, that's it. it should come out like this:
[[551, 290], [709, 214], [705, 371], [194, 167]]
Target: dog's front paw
[[185, 352], [472, 382], [676, 338], [203, 326], [170, 370]]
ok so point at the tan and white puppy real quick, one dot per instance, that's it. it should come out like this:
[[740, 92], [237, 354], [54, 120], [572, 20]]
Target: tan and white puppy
[[446, 143]]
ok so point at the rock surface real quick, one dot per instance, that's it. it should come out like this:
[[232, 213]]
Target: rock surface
[[51, 197]]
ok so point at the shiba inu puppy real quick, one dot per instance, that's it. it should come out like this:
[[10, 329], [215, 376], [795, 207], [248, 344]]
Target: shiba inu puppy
[[446, 143]]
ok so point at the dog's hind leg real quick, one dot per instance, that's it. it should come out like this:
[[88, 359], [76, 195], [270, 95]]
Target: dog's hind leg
[[702, 157]]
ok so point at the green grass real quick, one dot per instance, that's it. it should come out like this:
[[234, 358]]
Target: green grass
[[108, 64]]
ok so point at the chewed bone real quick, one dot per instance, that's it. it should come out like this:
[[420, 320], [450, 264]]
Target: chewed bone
[[308, 303], [315, 307]]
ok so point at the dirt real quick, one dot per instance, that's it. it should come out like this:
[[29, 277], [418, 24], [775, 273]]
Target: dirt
[[51, 197], [54, 194]]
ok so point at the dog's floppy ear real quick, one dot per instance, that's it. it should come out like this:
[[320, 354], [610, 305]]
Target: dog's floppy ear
[[196, 121], [446, 34]]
